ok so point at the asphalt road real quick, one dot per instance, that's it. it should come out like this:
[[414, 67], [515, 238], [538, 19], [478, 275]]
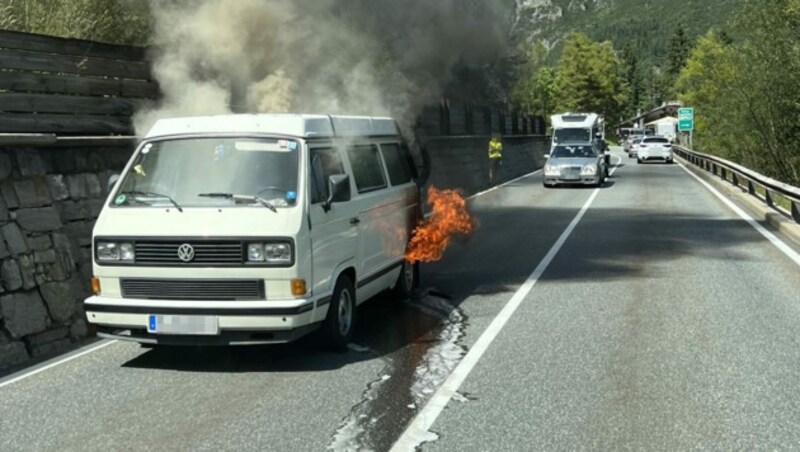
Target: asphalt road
[[664, 322]]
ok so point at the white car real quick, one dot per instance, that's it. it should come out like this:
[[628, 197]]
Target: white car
[[249, 229], [654, 148]]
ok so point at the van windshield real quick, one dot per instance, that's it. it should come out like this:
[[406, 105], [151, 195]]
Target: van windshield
[[572, 135], [212, 172]]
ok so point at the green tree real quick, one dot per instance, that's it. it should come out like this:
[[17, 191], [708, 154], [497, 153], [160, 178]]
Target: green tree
[[679, 47], [746, 92], [114, 21], [703, 84], [588, 78], [632, 74], [535, 82]]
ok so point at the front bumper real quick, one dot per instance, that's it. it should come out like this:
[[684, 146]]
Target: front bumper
[[583, 180], [240, 323]]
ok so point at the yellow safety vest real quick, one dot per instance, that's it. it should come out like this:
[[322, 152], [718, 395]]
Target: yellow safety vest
[[495, 150]]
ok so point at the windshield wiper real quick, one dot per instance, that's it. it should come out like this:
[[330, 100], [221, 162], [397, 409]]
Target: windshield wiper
[[155, 195], [236, 197]]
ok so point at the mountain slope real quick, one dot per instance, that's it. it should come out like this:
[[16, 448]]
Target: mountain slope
[[646, 24]]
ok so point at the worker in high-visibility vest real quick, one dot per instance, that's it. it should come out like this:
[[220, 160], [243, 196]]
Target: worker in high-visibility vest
[[495, 157]]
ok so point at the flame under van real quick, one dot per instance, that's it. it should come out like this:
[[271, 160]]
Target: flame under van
[[253, 229]]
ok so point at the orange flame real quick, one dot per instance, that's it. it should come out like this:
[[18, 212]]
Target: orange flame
[[449, 217]]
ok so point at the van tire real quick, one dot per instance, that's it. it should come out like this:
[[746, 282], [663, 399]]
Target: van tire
[[407, 280], [334, 334]]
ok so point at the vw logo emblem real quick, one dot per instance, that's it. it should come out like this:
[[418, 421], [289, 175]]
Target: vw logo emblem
[[186, 252]]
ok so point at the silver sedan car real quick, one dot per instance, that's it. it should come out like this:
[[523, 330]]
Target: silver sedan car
[[575, 163]]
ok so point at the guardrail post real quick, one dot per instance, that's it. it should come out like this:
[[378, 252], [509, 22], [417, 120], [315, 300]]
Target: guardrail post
[[723, 173], [735, 179], [768, 197], [750, 187], [796, 212]]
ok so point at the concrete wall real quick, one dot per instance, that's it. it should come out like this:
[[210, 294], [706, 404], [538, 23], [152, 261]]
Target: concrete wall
[[49, 199]]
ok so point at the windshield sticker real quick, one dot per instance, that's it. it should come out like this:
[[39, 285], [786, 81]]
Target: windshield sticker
[[292, 145], [291, 197], [120, 199], [147, 147], [139, 169], [263, 146]]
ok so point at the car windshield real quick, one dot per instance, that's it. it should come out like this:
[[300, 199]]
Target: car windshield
[[573, 151], [212, 172], [572, 135]]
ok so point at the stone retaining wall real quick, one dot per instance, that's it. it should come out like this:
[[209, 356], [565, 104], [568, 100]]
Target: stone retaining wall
[[463, 162], [49, 199]]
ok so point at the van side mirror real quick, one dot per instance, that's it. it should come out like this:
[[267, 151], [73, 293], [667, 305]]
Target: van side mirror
[[112, 181], [338, 190]]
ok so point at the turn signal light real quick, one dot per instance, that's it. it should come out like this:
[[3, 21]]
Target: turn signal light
[[96, 285], [298, 287]]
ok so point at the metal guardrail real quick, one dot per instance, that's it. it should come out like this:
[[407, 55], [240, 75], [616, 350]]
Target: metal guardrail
[[762, 187]]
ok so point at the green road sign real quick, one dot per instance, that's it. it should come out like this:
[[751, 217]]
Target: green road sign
[[685, 119]]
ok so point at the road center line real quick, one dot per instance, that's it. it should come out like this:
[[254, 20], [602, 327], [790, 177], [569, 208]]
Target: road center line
[[418, 430], [13, 378], [793, 255]]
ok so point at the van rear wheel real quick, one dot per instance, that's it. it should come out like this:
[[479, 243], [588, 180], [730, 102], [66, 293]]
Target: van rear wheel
[[337, 328]]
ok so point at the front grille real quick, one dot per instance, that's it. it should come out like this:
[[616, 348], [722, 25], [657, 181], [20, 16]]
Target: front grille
[[206, 253], [193, 289]]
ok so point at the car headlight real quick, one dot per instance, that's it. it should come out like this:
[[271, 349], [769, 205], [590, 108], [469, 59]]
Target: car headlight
[[590, 170], [551, 170], [255, 252], [270, 252], [115, 252]]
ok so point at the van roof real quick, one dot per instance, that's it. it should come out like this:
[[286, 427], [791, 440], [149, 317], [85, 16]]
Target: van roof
[[305, 126]]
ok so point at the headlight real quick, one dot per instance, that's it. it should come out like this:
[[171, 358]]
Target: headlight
[[590, 170], [255, 252], [115, 252], [273, 253], [551, 170]]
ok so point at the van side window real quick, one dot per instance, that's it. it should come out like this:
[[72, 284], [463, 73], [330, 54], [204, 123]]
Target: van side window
[[324, 163], [396, 164], [367, 168]]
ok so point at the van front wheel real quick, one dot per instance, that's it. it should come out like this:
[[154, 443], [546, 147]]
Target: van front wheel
[[337, 328], [408, 281]]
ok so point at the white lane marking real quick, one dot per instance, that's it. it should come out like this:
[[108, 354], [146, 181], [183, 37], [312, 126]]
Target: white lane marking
[[489, 190], [13, 378], [418, 430], [793, 255]]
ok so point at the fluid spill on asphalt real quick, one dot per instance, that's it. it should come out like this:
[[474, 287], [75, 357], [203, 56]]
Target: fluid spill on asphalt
[[421, 345]]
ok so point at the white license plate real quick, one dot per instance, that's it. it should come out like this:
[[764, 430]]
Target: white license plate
[[198, 325]]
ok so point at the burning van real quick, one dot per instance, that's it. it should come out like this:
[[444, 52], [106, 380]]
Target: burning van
[[249, 229]]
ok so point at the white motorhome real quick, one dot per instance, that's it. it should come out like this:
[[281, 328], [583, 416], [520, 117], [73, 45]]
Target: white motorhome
[[246, 229], [578, 128]]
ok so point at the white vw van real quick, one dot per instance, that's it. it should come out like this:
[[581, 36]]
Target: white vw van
[[250, 229]]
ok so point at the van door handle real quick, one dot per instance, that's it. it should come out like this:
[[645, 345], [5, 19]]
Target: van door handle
[[354, 221]]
